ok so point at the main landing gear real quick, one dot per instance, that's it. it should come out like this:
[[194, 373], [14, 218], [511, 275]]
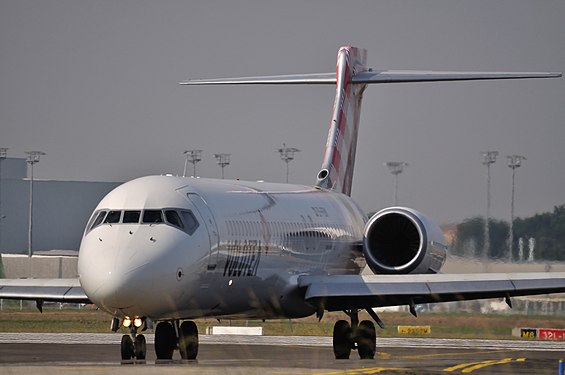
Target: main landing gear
[[361, 336], [169, 337]]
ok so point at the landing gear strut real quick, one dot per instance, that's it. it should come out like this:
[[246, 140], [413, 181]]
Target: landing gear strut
[[133, 345], [361, 336], [169, 337]]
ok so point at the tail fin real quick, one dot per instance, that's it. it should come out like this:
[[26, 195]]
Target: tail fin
[[339, 156], [351, 79]]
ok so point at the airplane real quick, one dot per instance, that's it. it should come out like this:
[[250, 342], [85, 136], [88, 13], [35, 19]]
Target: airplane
[[166, 250]]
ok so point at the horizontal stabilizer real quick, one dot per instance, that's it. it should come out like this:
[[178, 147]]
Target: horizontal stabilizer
[[371, 76], [400, 76], [298, 79]]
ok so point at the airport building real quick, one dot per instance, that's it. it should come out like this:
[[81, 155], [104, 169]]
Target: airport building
[[60, 209]]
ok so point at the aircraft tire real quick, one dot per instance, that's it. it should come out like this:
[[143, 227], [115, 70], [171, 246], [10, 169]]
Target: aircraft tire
[[126, 347], [165, 340], [140, 347], [188, 342], [366, 340], [342, 339]]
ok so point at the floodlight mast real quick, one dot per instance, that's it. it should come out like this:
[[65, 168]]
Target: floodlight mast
[[287, 155], [222, 160], [514, 161], [3, 156], [396, 168], [32, 159], [191, 156], [489, 157]]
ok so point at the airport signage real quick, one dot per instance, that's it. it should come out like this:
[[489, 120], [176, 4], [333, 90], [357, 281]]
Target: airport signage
[[551, 334], [420, 330], [540, 333], [528, 333]]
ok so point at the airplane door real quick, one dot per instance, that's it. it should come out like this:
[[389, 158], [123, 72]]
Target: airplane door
[[211, 228]]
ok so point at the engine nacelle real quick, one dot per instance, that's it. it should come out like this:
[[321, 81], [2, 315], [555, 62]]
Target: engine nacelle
[[400, 240]]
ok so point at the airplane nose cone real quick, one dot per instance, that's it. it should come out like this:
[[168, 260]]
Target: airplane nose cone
[[115, 292], [111, 274], [125, 271]]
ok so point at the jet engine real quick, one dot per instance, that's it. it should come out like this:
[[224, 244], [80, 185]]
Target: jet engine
[[399, 240]]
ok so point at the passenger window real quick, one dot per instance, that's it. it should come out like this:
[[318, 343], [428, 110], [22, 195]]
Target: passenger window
[[99, 219], [173, 218], [113, 217], [131, 217], [152, 216], [190, 222]]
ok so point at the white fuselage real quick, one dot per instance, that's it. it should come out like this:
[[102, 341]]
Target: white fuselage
[[168, 247]]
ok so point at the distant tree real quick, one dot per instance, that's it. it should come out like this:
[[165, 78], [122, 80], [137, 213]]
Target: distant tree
[[470, 238], [548, 230]]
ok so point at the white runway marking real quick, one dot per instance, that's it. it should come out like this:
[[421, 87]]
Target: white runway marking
[[110, 338]]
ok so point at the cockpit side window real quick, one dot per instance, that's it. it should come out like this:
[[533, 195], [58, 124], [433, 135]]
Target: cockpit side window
[[173, 218], [97, 220], [131, 217], [113, 217], [190, 222], [152, 216]]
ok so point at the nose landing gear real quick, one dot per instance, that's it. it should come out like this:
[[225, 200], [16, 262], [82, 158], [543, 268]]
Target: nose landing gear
[[133, 346]]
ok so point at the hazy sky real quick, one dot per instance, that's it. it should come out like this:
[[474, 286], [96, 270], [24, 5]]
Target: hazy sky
[[94, 84]]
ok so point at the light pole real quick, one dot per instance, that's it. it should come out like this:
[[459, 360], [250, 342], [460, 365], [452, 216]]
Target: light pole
[[3, 156], [222, 160], [489, 157], [287, 155], [192, 156], [514, 161], [32, 159], [396, 168]]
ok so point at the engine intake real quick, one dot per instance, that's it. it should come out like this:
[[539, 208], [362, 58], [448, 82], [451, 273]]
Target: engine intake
[[400, 240]]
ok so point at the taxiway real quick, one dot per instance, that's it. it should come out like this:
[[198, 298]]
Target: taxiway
[[47, 354]]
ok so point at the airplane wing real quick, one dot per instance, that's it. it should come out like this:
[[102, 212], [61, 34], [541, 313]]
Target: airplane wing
[[43, 290], [343, 292]]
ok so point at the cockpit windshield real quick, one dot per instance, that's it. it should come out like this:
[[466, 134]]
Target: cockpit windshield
[[113, 217], [131, 217], [179, 218], [152, 217]]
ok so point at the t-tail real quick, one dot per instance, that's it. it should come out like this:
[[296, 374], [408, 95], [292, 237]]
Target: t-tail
[[351, 78], [339, 157]]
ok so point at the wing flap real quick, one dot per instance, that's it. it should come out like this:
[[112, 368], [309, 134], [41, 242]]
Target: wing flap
[[51, 290], [341, 292]]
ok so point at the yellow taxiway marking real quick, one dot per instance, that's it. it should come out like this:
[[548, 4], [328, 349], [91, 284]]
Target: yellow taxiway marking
[[362, 371], [422, 356], [470, 367]]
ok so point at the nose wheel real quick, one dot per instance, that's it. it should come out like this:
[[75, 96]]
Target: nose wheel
[[133, 347]]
